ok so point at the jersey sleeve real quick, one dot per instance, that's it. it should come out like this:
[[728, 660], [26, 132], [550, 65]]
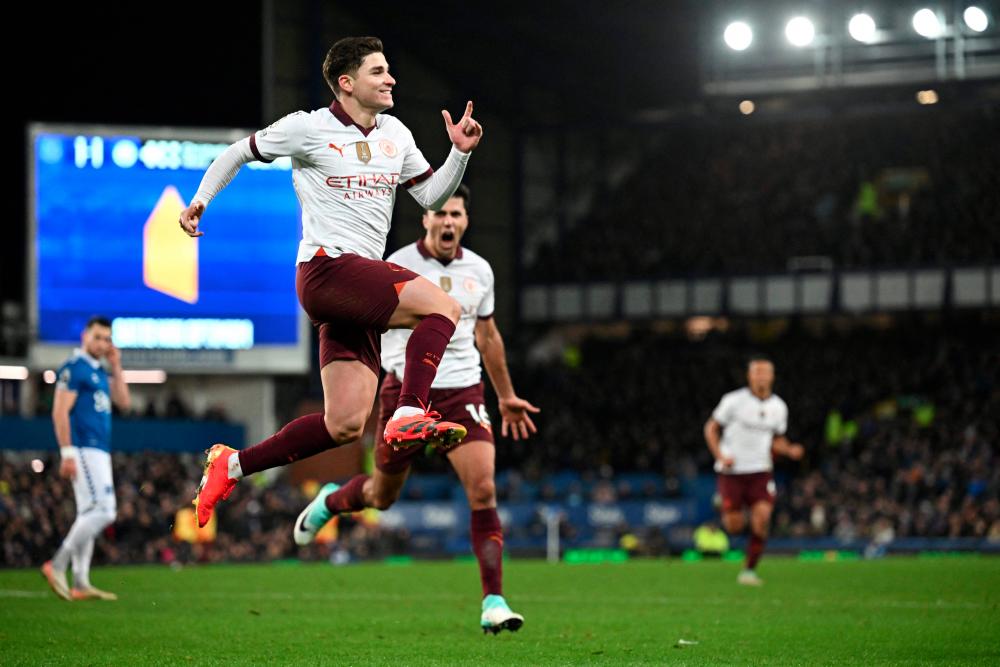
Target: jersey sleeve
[[416, 168], [486, 306], [283, 138], [68, 378], [723, 412], [782, 426]]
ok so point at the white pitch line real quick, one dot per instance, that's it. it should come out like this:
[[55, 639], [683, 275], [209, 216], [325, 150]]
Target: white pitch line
[[6, 593]]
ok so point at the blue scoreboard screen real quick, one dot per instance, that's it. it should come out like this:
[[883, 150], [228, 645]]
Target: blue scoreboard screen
[[105, 205]]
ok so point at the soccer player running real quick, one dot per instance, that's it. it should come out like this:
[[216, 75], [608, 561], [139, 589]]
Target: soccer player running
[[458, 393], [81, 415], [744, 430], [347, 161]]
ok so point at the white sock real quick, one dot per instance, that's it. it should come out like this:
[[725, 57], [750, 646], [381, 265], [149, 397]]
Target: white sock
[[81, 564], [86, 527], [235, 471], [406, 411]]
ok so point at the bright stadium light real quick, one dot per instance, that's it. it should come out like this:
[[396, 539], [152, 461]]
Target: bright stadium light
[[862, 28], [800, 31], [976, 19], [738, 36], [926, 23]]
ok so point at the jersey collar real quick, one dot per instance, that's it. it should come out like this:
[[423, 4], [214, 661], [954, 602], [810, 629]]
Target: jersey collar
[[341, 114], [80, 353], [426, 254]]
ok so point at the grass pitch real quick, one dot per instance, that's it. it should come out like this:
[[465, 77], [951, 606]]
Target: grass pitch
[[903, 611]]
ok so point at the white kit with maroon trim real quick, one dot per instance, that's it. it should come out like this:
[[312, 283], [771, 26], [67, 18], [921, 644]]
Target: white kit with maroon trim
[[749, 425], [345, 176], [468, 278]]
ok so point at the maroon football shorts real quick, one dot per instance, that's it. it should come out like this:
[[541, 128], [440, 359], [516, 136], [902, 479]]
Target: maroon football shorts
[[350, 299], [739, 491], [463, 406]]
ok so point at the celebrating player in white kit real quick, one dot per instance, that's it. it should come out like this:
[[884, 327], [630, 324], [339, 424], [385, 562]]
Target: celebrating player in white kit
[[81, 414], [752, 422], [347, 162], [457, 393]]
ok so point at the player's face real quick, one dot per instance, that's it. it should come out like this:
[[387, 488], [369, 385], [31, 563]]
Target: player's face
[[760, 375], [445, 228], [97, 341], [372, 86]]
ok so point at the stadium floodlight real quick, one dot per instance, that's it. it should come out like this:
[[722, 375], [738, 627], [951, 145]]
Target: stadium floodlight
[[926, 23], [800, 31], [862, 28], [738, 35], [976, 19]]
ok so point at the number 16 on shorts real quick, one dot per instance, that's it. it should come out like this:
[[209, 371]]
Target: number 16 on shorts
[[479, 415]]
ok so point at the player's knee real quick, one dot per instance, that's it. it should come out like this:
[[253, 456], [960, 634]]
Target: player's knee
[[108, 517], [482, 493], [451, 309], [344, 430]]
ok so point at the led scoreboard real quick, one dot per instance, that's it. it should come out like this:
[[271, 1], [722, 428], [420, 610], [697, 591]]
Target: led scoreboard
[[104, 204]]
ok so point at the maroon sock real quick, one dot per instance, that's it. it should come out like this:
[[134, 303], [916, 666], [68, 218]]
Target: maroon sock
[[755, 550], [423, 355], [300, 438], [348, 498], [487, 543]]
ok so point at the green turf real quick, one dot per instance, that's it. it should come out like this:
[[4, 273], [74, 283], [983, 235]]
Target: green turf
[[896, 611]]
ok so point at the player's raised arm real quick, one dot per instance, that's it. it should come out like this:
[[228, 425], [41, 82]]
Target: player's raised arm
[[465, 135], [283, 138], [120, 395], [219, 174]]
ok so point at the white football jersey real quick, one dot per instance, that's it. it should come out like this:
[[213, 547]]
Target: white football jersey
[[749, 426], [469, 280], [345, 176]]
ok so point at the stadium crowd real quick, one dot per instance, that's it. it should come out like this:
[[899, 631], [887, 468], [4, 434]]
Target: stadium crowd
[[898, 426], [863, 191]]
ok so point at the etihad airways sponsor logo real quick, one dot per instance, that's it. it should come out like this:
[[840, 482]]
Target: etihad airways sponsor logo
[[363, 181], [364, 186]]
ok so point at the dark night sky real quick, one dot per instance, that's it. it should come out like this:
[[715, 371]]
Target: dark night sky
[[199, 65]]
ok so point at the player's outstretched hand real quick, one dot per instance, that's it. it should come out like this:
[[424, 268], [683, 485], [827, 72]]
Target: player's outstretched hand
[[466, 133], [190, 217], [796, 452], [515, 418], [67, 469]]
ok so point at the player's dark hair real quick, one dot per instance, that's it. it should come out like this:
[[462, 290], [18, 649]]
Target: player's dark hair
[[345, 57], [464, 194], [98, 320], [759, 357]]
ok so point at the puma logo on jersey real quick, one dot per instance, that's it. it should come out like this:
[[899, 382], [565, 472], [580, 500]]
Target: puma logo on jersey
[[338, 149]]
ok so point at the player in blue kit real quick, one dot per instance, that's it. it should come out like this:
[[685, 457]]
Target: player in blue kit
[[81, 415]]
